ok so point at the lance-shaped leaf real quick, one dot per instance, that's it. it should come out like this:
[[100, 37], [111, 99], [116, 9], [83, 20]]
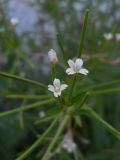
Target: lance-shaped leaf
[[90, 112], [29, 106], [82, 39], [38, 141], [26, 80]]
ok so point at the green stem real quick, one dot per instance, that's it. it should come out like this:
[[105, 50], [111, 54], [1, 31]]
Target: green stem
[[26, 80], [72, 87], [53, 71], [30, 106], [82, 39], [38, 141], [52, 144]]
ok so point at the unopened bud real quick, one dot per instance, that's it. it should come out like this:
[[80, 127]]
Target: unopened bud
[[53, 56]]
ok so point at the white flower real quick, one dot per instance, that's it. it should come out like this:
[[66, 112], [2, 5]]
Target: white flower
[[53, 56], [14, 21], [76, 67], [57, 87], [108, 36], [117, 36]]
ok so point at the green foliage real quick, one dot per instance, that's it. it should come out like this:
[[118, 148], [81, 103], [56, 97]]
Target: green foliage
[[89, 105]]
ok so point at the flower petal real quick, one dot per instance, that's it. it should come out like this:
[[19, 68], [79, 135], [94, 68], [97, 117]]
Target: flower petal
[[63, 86], [71, 63], [56, 94], [56, 82], [70, 71], [84, 71], [78, 63], [51, 88], [59, 93]]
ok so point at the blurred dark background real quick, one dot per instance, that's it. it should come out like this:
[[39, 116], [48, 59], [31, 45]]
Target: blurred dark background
[[27, 31]]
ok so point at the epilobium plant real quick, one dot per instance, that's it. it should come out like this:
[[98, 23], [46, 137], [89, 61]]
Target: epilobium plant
[[66, 109]]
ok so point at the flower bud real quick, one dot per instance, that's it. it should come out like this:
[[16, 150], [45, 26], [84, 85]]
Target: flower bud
[[53, 56]]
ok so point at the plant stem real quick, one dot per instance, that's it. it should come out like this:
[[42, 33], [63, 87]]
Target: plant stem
[[26, 80], [72, 87], [52, 144], [38, 141], [53, 71]]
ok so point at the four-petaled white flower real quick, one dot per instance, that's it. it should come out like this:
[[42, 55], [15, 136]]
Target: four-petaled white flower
[[57, 87], [76, 67], [53, 56]]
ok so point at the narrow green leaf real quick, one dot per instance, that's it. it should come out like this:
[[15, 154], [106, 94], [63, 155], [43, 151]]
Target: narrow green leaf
[[45, 119], [14, 96], [105, 84], [82, 39], [38, 141], [78, 98], [21, 116], [78, 120], [105, 91], [30, 106], [84, 99], [52, 144], [89, 111], [26, 80], [89, 89]]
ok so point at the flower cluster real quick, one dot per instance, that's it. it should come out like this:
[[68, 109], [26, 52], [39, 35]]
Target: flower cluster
[[74, 68]]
